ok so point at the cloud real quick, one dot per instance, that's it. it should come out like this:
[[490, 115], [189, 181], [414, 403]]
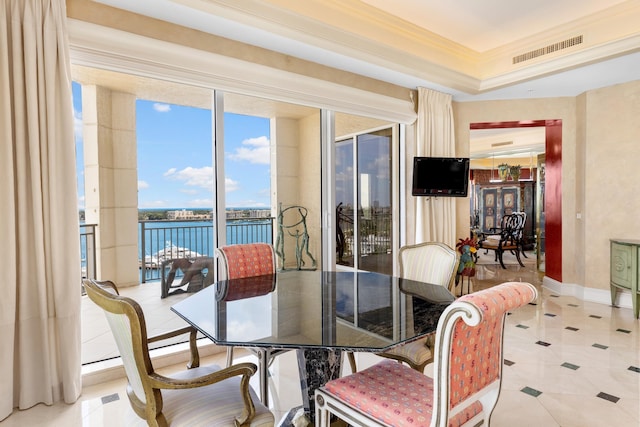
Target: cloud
[[155, 204], [189, 191], [196, 177], [381, 165], [199, 203], [77, 124], [230, 185], [248, 203], [264, 192], [254, 150], [161, 108], [142, 185]]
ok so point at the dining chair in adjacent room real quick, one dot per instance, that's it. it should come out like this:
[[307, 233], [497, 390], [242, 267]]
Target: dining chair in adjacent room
[[507, 237], [249, 260], [430, 262], [206, 394], [467, 371]]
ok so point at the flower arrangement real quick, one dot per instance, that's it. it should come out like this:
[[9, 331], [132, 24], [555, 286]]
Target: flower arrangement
[[467, 247]]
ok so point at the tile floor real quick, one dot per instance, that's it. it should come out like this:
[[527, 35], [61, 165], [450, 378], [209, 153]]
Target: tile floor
[[567, 363]]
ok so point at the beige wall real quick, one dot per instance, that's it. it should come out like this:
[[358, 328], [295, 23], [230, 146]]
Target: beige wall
[[611, 175], [346, 125], [580, 188], [111, 181], [310, 183], [599, 171], [295, 170], [285, 167]]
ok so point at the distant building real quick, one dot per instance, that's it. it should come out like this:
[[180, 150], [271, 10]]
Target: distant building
[[248, 213], [185, 214], [181, 214]]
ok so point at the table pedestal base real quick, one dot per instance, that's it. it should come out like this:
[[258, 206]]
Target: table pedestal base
[[316, 367]]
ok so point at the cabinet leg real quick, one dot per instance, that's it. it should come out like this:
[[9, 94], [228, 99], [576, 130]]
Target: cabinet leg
[[614, 293]]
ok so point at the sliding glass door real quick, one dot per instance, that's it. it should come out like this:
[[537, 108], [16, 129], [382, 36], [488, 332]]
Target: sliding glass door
[[364, 201]]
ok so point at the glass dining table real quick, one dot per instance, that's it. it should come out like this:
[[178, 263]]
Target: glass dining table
[[320, 314]]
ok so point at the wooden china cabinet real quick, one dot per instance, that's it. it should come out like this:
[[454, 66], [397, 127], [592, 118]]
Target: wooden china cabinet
[[491, 201]]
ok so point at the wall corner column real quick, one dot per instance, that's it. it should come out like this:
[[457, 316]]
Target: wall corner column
[[111, 181]]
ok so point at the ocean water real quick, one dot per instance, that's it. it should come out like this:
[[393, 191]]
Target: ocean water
[[193, 236], [160, 239]]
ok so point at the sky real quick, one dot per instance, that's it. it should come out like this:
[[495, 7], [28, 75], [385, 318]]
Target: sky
[[174, 152]]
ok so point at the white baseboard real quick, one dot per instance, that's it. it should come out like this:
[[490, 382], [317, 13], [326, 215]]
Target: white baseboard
[[600, 296]]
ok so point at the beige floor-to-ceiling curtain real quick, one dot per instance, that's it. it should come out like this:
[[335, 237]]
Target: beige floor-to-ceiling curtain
[[435, 216], [40, 262]]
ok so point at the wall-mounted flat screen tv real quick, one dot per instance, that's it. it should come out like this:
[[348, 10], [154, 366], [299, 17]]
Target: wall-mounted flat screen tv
[[440, 176]]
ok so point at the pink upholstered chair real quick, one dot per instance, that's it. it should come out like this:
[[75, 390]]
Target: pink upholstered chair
[[246, 260], [467, 371], [430, 262], [249, 260]]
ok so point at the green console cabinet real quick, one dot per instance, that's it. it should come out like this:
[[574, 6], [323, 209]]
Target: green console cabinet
[[624, 270]]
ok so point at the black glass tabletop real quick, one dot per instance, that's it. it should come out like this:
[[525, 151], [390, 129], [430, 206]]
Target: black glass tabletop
[[358, 311]]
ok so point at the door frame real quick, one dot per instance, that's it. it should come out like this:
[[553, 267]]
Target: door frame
[[553, 187]]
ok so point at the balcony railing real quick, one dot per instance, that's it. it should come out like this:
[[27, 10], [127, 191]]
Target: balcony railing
[[162, 240], [88, 250], [374, 230], [166, 239]]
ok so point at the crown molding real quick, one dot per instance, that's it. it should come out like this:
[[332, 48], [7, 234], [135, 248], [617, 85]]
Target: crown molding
[[610, 33], [357, 31], [101, 47], [362, 39], [564, 62], [350, 23]]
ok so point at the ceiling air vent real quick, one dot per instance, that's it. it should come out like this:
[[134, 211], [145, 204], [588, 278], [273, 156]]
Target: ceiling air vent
[[573, 41]]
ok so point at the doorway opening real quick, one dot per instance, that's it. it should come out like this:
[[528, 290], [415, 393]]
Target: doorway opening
[[530, 153]]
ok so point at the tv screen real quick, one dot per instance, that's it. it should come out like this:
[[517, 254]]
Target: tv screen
[[440, 176]]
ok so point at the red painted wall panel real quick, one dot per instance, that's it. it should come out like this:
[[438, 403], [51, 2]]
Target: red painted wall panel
[[553, 200]]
